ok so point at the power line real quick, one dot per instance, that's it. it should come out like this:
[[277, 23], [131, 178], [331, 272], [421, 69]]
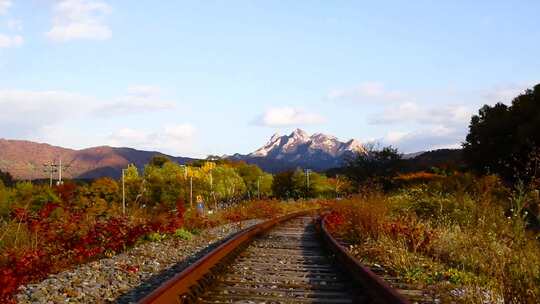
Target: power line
[[52, 168]]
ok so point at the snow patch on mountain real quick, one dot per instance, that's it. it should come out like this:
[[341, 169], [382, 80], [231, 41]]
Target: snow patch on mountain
[[300, 142]]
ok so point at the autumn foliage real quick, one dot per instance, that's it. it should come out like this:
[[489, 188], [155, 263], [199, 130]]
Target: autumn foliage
[[74, 226], [448, 233], [59, 235]]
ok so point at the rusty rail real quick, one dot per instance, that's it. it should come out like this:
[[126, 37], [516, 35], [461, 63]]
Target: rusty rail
[[178, 288], [200, 277], [378, 288]]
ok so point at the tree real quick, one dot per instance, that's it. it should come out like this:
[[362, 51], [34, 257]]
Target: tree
[[134, 185], [251, 175], [28, 195], [265, 185], [374, 166], [159, 160], [503, 138], [4, 200], [6, 178], [105, 188], [227, 183], [319, 186], [288, 184], [341, 185], [163, 183]]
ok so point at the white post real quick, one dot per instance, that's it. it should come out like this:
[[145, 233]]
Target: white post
[[191, 191], [50, 174], [185, 171], [123, 193], [60, 172]]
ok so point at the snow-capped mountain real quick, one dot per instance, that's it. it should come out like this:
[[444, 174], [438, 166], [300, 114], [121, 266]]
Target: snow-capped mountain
[[299, 149]]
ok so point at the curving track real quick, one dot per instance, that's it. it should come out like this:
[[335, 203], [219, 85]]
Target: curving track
[[287, 264], [280, 261]]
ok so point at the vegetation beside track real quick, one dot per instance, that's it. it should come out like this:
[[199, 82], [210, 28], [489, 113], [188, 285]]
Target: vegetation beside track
[[57, 236], [462, 237]]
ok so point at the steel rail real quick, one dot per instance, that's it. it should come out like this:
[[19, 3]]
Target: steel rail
[[377, 287], [187, 285], [178, 288]]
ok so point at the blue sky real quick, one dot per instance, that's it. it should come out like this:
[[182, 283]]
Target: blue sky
[[219, 77]]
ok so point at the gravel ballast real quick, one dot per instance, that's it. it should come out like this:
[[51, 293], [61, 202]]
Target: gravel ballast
[[129, 276]]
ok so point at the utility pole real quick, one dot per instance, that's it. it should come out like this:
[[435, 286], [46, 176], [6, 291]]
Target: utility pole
[[50, 176], [211, 183], [60, 172], [191, 191], [212, 190], [49, 168], [60, 182], [185, 171], [123, 192]]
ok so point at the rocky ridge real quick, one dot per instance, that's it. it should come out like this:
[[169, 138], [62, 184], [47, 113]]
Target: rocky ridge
[[299, 149]]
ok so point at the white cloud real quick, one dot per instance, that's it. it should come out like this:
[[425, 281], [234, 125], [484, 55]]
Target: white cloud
[[395, 136], [179, 131], [24, 113], [420, 123], [10, 41], [7, 41], [139, 99], [288, 116], [175, 139], [436, 137], [433, 127], [62, 118], [367, 92], [411, 112], [4, 6], [80, 19], [505, 93], [129, 137], [144, 90], [14, 24]]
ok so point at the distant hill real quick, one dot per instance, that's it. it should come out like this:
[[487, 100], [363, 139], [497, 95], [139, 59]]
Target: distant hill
[[317, 152], [320, 152], [442, 158], [26, 159]]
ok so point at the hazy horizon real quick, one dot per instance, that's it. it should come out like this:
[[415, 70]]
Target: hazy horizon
[[194, 79]]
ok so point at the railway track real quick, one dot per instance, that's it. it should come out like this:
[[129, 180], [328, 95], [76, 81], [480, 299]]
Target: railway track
[[284, 260]]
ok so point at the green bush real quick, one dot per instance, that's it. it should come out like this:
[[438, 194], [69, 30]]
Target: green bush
[[155, 237], [183, 234]]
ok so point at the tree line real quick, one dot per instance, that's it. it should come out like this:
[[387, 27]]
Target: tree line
[[162, 183]]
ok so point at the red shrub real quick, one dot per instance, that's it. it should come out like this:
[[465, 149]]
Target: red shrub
[[334, 221], [418, 237], [74, 237], [21, 267]]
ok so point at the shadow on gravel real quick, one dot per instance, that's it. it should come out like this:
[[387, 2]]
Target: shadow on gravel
[[136, 294]]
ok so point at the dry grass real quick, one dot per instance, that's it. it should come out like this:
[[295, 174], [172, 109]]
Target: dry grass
[[457, 242]]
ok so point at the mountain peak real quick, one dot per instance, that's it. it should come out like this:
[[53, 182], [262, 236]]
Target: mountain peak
[[355, 145], [275, 137], [299, 133], [318, 151]]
